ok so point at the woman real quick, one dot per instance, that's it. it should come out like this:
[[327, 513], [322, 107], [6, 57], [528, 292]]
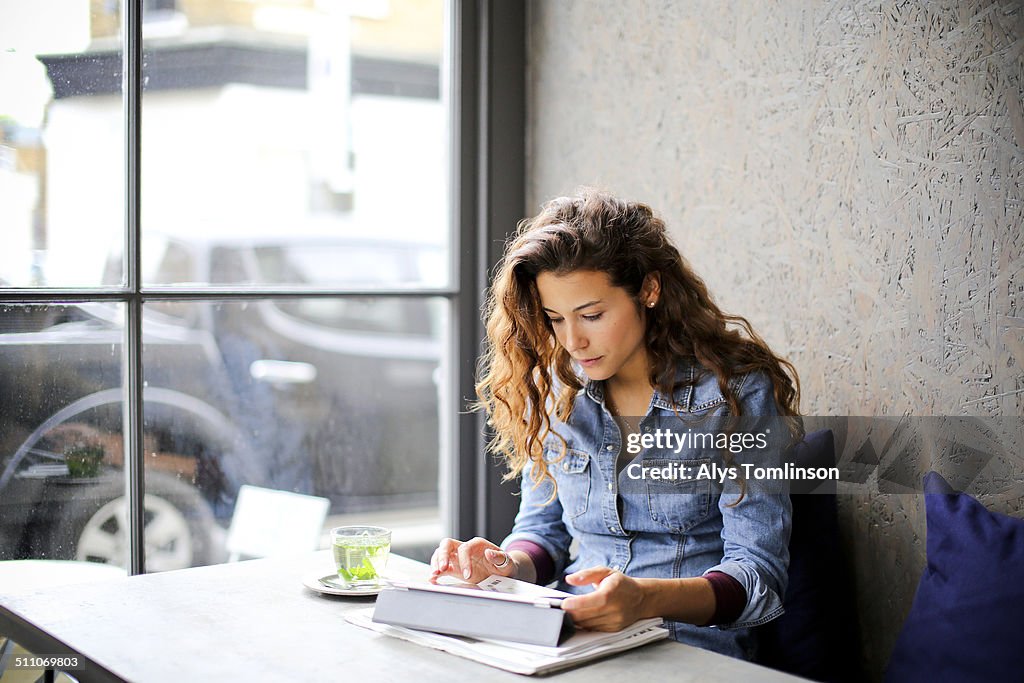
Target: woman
[[597, 330]]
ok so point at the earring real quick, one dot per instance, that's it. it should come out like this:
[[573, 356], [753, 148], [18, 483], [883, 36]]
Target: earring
[[650, 304]]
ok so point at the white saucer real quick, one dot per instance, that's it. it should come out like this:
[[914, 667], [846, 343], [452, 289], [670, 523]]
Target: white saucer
[[313, 582]]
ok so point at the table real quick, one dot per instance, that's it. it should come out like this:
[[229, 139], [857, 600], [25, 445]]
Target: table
[[255, 621], [22, 574]]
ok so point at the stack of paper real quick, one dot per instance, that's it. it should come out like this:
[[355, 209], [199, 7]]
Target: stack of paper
[[523, 658]]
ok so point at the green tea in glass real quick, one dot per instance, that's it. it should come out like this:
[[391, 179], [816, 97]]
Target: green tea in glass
[[361, 553]]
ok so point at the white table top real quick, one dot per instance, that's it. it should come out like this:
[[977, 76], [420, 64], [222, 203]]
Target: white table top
[[26, 574], [255, 621]]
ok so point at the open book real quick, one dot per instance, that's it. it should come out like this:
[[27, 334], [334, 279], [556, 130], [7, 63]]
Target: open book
[[508, 603]]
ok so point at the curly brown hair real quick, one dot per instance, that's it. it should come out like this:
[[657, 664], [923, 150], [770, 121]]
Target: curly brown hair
[[525, 376]]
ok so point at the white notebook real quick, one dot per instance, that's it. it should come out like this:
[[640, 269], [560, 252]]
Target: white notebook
[[523, 658]]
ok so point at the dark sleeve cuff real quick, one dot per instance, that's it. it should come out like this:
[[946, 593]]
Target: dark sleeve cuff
[[542, 562], [730, 598]]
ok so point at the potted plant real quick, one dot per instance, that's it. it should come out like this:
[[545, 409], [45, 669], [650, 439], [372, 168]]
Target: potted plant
[[83, 459]]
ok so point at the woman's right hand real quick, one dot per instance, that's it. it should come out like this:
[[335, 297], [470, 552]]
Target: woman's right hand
[[473, 560]]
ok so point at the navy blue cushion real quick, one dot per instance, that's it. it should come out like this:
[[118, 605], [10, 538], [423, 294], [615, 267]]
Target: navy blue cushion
[[817, 636], [964, 623]]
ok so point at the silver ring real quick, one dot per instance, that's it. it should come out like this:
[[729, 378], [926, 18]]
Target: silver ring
[[503, 562]]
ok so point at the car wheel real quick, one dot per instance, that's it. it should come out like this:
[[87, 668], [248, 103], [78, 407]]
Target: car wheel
[[179, 526]]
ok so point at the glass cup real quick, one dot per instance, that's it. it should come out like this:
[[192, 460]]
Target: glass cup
[[361, 553]]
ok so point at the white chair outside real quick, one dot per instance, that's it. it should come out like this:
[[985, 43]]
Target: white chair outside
[[268, 522]]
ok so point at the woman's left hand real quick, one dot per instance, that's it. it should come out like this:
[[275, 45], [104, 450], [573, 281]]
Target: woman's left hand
[[617, 600]]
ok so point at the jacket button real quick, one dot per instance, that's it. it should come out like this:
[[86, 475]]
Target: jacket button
[[609, 448]]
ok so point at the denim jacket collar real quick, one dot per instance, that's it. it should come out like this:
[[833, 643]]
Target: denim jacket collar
[[686, 373]]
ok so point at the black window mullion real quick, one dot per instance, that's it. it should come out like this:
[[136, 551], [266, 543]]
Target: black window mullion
[[120, 295], [489, 120], [466, 326], [502, 189], [132, 378]]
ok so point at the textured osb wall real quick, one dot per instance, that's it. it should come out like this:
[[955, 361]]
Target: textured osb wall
[[848, 175]]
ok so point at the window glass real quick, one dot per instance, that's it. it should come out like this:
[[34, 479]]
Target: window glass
[[61, 450], [286, 145], [61, 142], [326, 405], [312, 135]]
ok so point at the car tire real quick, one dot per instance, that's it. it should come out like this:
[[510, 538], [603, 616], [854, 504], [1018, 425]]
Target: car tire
[[180, 530]]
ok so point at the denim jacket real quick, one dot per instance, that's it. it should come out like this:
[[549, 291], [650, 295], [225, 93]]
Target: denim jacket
[[623, 525]]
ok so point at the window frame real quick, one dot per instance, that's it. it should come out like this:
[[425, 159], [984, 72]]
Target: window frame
[[489, 199], [485, 41]]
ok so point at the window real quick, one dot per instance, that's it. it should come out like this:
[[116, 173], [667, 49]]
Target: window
[[287, 321]]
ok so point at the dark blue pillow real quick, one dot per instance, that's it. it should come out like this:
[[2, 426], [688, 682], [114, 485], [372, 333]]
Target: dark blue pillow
[[965, 621], [816, 637]]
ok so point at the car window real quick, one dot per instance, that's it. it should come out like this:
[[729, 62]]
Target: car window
[[388, 315], [351, 265], [176, 265]]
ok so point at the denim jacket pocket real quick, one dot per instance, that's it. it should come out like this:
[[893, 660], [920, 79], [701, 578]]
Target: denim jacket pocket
[[573, 475], [679, 504]]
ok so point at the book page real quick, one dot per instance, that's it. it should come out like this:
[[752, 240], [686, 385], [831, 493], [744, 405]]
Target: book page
[[508, 585], [494, 587]]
